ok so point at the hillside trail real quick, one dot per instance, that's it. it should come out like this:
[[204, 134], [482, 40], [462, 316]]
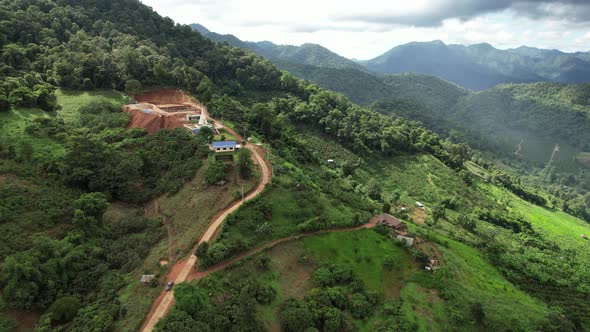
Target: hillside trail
[[152, 209], [196, 275], [180, 271]]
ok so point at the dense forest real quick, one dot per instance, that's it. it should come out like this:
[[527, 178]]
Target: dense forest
[[515, 124], [124, 45], [59, 257]]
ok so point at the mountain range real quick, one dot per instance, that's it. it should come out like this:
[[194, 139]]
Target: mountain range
[[476, 67], [432, 83]]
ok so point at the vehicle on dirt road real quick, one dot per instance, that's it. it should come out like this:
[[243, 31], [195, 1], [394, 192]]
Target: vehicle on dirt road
[[169, 285]]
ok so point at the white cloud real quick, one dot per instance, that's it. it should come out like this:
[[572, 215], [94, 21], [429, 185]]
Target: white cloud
[[353, 29]]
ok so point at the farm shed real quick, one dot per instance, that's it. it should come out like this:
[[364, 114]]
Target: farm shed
[[146, 278], [387, 219], [408, 240], [224, 146]]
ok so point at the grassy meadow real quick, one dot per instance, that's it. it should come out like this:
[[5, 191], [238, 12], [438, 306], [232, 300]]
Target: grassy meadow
[[70, 100], [12, 133]]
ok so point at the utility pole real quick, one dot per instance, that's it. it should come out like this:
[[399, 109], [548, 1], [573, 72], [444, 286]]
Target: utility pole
[[555, 152], [519, 148]]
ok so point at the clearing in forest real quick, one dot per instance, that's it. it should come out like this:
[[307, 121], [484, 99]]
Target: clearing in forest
[[163, 109]]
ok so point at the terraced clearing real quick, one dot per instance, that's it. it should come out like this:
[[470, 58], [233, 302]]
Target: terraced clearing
[[71, 100], [468, 278], [12, 129], [14, 122], [562, 228], [475, 279]]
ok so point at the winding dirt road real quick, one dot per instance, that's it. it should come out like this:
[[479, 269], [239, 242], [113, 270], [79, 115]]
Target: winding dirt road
[[182, 269]]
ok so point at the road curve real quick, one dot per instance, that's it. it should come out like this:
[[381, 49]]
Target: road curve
[[164, 303]]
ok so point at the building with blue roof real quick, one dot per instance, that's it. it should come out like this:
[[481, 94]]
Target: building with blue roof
[[224, 146]]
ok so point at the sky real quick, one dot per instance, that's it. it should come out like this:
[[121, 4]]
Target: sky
[[365, 29]]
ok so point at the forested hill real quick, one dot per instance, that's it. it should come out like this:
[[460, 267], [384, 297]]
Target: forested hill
[[476, 67], [58, 254], [68, 66], [306, 54], [495, 121], [482, 66]]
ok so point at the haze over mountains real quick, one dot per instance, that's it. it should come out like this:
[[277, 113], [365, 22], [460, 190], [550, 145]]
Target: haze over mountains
[[425, 82], [310, 225], [476, 67]]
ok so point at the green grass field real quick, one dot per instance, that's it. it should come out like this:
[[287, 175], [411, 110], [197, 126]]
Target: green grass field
[[419, 178], [293, 262], [13, 122], [71, 100], [12, 132], [226, 135], [477, 280], [476, 169], [423, 308], [365, 252], [472, 279], [555, 225], [290, 207]]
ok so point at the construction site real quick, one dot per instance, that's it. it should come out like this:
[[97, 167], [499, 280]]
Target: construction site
[[168, 109]]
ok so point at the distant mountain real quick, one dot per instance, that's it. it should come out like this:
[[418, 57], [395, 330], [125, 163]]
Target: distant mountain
[[534, 52], [306, 54], [481, 66], [494, 120], [476, 67], [201, 29]]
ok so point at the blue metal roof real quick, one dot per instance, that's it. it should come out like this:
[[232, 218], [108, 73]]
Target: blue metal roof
[[224, 144], [196, 130]]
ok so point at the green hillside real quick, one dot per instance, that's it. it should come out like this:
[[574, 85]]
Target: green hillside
[[406, 297], [89, 205]]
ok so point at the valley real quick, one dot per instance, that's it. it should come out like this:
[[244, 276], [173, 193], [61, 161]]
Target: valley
[[158, 178]]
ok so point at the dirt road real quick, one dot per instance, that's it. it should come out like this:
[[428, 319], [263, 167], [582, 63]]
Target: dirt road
[[181, 270], [196, 275]]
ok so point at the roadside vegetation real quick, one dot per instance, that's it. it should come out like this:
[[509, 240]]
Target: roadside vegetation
[[74, 262], [361, 280]]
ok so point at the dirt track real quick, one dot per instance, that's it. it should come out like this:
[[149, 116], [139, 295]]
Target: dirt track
[[196, 275], [181, 270]]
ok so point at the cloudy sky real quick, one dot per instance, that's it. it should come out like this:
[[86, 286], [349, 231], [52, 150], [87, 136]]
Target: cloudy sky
[[367, 28]]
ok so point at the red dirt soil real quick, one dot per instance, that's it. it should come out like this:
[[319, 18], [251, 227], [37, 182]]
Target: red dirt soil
[[157, 118], [165, 97], [152, 122]]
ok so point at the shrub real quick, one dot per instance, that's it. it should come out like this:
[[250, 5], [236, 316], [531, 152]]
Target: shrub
[[216, 172], [296, 316], [132, 87], [382, 229], [202, 249], [332, 274], [360, 307], [265, 294], [373, 190], [388, 263], [386, 207], [244, 163], [64, 309], [262, 262]]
